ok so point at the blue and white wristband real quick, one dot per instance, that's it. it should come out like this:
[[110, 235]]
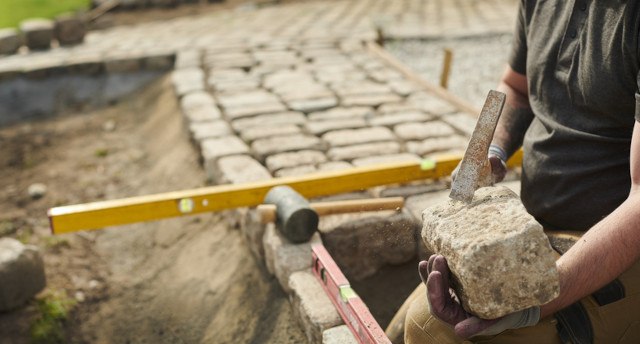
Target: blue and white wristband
[[497, 151]]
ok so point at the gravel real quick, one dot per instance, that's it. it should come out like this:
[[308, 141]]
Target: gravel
[[476, 67]]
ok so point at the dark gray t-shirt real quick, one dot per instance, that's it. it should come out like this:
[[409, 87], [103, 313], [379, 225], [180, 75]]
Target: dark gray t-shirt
[[581, 61]]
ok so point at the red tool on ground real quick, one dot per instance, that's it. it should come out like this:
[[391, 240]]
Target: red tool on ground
[[352, 309]]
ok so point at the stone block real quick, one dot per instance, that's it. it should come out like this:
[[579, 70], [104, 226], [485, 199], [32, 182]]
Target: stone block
[[311, 306], [363, 243], [342, 113], [9, 41], [187, 80], [238, 169], [313, 104], [292, 159], [247, 98], [431, 104], [69, 29], [334, 166], [213, 149], [296, 171], [188, 59], [280, 144], [363, 150], [21, 273], [37, 33], [255, 133], [386, 109], [400, 117], [253, 230], [349, 137], [205, 113], [195, 100], [250, 110], [273, 119], [321, 127], [498, 254], [88, 63], [158, 60], [338, 335], [462, 122], [370, 100], [383, 159], [421, 131], [208, 130], [438, 144]]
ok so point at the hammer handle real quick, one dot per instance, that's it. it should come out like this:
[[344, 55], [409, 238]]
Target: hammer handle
[[267, 212]]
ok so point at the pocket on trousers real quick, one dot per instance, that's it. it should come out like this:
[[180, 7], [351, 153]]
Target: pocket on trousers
[[631, 334]]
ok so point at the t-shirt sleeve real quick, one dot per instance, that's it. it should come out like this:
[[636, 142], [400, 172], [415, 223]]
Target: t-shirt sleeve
[[518, 56], [638, 103]]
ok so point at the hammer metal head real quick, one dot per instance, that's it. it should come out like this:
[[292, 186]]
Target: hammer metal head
[[296, 220]]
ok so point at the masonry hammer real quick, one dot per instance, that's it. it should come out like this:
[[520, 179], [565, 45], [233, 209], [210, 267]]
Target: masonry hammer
[[297, 219]]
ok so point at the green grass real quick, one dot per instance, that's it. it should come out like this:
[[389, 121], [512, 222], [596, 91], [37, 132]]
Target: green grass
[[12, 12], [53, 310]]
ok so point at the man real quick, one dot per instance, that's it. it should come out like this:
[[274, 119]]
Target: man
[[573, 105]]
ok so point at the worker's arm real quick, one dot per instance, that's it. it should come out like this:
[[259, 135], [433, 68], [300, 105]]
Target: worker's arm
[[607, 249], [516, 116]]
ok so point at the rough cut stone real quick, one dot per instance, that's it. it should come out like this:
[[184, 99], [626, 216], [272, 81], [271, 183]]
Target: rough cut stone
[[37, 33], [370, 100], [205, 113], [187, 80], [9, 41], [238, 169], [213, 149], [69, 29], [279, 144], [348, 137], [499, 256], [254, 110], [421, 131], [296, 171], [21, 273], [338, 335], [363, 243], [463, 122], [311, 306], [431, 104], [122, 62], [381, 159], [196, 100], [280, 118], [207, 130], [293, 159], [438, 144], [311, 105], [341, 113], [321, 127], [363, 150], [334, 166], [188, 59], [400, 117], [255, 133]]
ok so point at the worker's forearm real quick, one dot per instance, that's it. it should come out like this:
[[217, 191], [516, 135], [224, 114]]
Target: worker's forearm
[[516, 118], [601, 255]]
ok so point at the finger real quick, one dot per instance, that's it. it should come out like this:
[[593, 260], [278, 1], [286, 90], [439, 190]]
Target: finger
[[423, 270], [437, 299], [430, 265], [440, 265], [473, 326]]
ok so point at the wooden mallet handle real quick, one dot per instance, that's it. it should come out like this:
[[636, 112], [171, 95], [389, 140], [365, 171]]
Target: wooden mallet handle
[[267, 212]]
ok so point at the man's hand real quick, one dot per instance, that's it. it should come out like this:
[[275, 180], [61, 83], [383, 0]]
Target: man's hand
[[494, 169], [444, 305]]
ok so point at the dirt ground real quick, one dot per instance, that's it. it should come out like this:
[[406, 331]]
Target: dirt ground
[[176, 281]]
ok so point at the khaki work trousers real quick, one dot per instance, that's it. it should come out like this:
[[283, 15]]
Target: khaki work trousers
[[616, 322]]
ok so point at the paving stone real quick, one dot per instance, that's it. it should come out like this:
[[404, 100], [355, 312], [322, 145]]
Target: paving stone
[[361, 88], [386, 109], [253, 231], [238, 169], [252, 110], [188, 59], [363, 150], [87, 63], [383, 159], [213, 149], [247, 98], [321, 127], [338, 335], [363, 243], [311, 306], [37, 33], [280, 118], [235, 86], [471, 236], [402, 87], [9, 41], [311, 105], [370, 100], [292, 159], [349, 137], [206, 113], [432, 104], [421, 131], [207, 130], [255, 133], [187, 80], [438, 144], [341, 113], [158, 60], [385, 75], [400, 117], [122, 62], [21, 272], [462, 122], [296, 171], [69, 29], [334, 166], [280, 144], [196, 100]]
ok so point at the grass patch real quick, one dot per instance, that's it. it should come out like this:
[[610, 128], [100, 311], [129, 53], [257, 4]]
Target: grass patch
[[54, 309], [12, 12]]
